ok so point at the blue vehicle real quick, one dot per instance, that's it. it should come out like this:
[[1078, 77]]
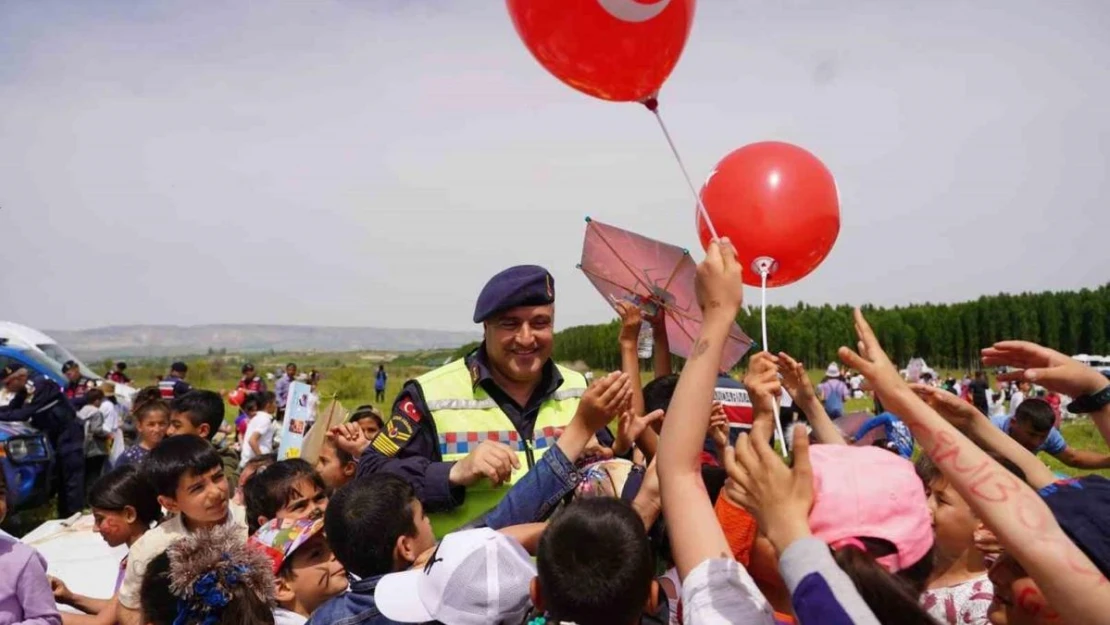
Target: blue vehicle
[[26, 457]]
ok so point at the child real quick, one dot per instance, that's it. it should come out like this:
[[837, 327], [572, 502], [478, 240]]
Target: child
[[209, 578], [96, 438], [202, 413], [246, 413], [25, 596], [306, 572], [474, 576], [335, 466], [259, 436], [369, 420], [152, 419], [959, 592], [124, 506], [256, 464], [289, 489], [614, 586], [375, 527], [189, 480]]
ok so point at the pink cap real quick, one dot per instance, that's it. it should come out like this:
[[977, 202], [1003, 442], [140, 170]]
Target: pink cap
[[867, 492]]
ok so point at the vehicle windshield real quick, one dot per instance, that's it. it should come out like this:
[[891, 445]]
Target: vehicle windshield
[[61, 354], [41, 362]]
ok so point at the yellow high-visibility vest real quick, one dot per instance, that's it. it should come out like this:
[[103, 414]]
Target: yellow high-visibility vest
[[465, 415]]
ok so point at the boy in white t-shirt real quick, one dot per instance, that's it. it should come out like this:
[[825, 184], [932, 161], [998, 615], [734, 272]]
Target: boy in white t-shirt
[[259, 436]]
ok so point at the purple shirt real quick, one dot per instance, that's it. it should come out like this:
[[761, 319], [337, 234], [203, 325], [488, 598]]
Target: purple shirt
[[25, 595]]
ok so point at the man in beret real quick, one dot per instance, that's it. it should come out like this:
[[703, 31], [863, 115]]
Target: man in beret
[[459, 432]]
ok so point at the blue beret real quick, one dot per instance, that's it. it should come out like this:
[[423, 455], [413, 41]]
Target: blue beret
[[523, 285]]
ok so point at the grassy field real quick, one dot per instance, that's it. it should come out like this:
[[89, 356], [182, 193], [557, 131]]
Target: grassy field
[[349, 378]]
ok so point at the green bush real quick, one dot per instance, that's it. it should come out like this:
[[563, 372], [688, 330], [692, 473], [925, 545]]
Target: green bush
[[348, 383]]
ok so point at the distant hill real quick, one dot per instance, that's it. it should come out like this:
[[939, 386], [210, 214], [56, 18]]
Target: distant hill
[[156, 341]]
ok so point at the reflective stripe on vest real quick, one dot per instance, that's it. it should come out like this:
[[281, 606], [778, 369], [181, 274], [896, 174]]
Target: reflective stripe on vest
[[165, 387], [465, 416]]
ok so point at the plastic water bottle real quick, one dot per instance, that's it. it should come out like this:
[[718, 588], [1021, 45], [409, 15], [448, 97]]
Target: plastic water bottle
[[646, 342]]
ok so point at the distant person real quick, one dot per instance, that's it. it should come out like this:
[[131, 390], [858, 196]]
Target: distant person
[[251, 382], [978, 390], [174, 384], [40, 401], [77, 385], [833, 392], [896, 435], [259, 437], [1032, 427], [152, 419], [282, 388], [1019, 395], [117, 375], [380, 379], [96, 437]]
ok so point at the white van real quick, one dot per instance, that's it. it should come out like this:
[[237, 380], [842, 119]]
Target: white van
[[19, 335]]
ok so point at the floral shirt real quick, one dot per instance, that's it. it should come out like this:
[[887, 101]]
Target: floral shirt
[[965, 603]]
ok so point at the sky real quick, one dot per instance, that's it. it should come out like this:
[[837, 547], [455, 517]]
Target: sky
[[374, 162]]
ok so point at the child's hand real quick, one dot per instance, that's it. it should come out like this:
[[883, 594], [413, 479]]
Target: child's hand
[[763, 385], [875, 365], [956, 411], [794, 378], [1047, 367], [718, 427], [777, 496], [631, 318], [631, 427], [349, 438], [605, 399], [61, 592], [718, 284]]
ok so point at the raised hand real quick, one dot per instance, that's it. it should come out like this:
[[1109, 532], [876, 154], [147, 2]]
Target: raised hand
[[492, 460], [719, 287], [794, 378], [718, 426], [779, 497], [349, 438], [874, 364], [763, 385], [1047, 367], [605, 399], [956, 411], [631, 318], [630, 427]]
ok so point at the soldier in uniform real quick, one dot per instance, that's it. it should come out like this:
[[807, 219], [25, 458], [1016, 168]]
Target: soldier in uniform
[[250, 382], [77, 385], [460, 431], [43, 403], [174, 384]]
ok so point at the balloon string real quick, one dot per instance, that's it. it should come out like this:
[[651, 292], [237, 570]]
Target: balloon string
[[763, 326], [653, 106]]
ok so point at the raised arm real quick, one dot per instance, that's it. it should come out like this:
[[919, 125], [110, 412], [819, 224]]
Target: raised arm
[[631, 432], [798, 384], [692, 525], [1020, 518], [661, 350]]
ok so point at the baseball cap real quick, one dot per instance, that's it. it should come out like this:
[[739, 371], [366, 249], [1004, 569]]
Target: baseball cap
[[179, 367], [279, 538], [247, 367], [8, 371], [474, 577], [69, 366], [1082, 508], [867, 492]]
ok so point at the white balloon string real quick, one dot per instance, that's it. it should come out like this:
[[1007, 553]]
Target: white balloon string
[[686, 174], [763, 325]]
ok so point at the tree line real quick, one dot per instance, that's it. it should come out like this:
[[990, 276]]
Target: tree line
[[945, 335]]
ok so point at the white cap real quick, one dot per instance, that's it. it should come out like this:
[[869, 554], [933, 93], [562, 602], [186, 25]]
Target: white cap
[[833, 371], [474, 577]]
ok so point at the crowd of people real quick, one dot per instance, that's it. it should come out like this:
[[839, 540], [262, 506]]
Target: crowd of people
[[504, 488]]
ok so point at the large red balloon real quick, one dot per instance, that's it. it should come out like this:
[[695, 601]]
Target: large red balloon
[[620, 50], [773, 200]]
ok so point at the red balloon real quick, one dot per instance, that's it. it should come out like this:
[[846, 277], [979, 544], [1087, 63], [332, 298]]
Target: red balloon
[[619, 50], [236, 397], [774, 201]]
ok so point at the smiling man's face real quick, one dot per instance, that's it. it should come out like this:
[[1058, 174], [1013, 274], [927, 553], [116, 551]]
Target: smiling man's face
[[519, 341]]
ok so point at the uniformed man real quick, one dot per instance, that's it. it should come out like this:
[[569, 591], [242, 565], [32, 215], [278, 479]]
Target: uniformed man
[[174, 384], [250, 382], [43, 403], [458, 432], [118, 374], [76, 384]]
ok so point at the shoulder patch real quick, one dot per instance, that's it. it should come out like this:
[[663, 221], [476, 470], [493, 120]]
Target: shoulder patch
[[407, 408], [399, 429]]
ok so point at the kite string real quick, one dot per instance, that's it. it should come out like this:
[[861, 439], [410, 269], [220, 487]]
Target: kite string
[[653, 105], [763, 270]]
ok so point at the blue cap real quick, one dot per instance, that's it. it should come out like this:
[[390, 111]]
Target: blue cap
[[1082, 508], [523, 285]]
